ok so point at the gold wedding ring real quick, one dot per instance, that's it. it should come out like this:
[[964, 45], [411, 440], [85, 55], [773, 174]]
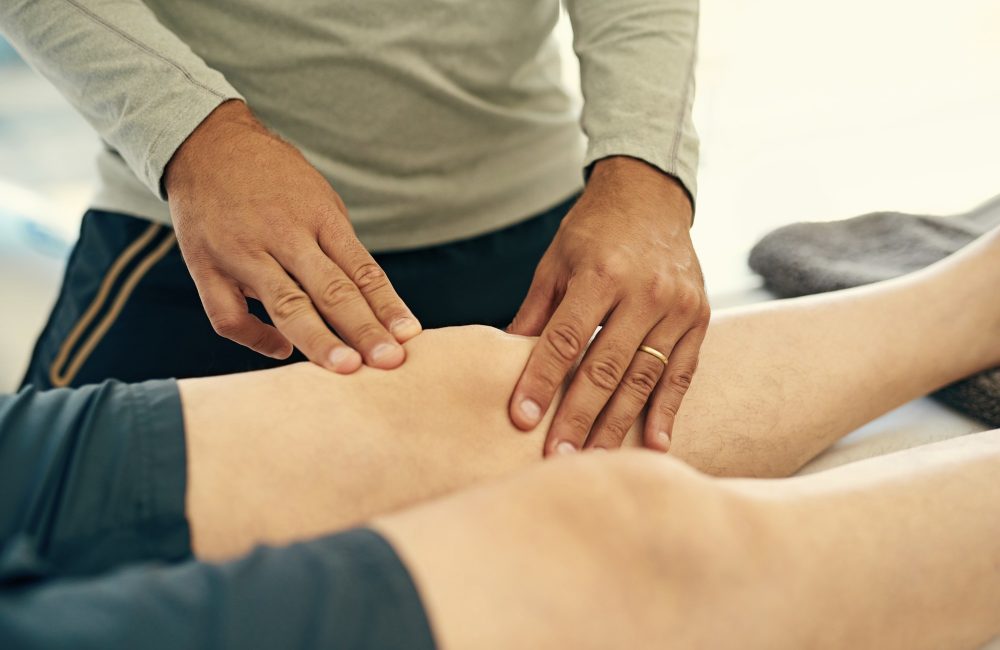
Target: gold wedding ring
[[653, 351]]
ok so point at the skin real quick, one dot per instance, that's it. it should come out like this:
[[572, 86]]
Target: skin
[[898, 552], [622, 257], [631, 548], [295, 249], [759, 407]]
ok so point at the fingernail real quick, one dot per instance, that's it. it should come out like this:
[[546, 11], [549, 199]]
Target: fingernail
[[404, 327], [339, 355], [663, 438], [565, 447], [531, 410], [383, 351]]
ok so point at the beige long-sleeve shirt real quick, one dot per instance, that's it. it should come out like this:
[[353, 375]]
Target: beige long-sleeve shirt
[[435, 120]]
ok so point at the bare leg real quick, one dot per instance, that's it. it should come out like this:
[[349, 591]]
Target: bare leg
[[905, 546], [782, 381], [635, 550], [283, 454]]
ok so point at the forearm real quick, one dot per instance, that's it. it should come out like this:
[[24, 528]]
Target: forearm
[[140, 87]]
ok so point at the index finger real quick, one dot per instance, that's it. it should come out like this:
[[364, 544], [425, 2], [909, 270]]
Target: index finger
[[374, 285], [343, 307], [560, 346], [296, 318]]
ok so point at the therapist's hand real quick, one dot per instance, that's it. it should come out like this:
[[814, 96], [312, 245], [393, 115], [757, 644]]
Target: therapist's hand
[[622, 258], [254, 219]]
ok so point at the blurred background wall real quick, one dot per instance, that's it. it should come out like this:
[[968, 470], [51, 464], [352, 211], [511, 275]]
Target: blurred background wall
[[807, 111]]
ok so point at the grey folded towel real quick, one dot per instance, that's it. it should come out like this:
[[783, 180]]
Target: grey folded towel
[[806, 258]]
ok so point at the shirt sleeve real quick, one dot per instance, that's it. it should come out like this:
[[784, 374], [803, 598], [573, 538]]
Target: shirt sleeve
[[348, 590], [131, 78], [637, 74], [91, 478]]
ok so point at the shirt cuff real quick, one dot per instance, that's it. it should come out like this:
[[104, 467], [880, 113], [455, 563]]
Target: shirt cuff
[[194, 109]]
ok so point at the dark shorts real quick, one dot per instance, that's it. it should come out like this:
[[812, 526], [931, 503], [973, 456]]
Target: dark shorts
[[95, 548], [129, 310]]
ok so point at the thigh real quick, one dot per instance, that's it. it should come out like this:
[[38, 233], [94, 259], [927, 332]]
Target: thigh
[[128, 310], [623, 550], [338, 449]]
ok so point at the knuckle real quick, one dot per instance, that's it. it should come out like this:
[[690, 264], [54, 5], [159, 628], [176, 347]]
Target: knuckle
[[289, 304], [687, 302], [367, 331], [610, 269], [226, 325], [642, 380], [564, 340], [603, 373], [615, 429], [336, 292], [680, 381], [578, 424], [704, 315], [370, 277], [669, 407]]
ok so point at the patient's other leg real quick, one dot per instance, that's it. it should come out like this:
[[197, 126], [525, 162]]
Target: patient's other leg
[[780, 382], [284, 454], [635, 550]]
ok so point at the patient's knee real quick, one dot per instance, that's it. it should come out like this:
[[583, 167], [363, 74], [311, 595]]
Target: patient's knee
[[698, 550], [649, 507], [660, 537]]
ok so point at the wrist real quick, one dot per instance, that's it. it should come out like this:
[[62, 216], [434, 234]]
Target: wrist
[[624, 173], [229, 119]]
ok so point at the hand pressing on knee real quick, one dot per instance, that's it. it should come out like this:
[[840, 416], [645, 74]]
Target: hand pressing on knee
[[622, 258], [295, 249]]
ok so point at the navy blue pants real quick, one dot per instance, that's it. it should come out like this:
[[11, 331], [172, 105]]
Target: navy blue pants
[[129, 310], [95, 551]]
